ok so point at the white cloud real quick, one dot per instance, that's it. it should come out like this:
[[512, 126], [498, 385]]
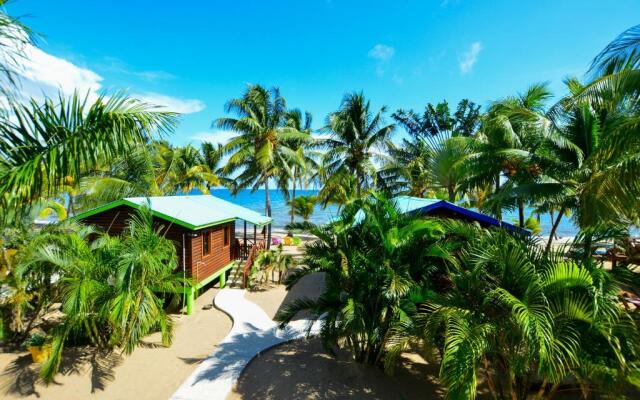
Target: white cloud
[[43, 74], [382, 52], [220, 136], [470, 57], [182, 106], [115, 65]]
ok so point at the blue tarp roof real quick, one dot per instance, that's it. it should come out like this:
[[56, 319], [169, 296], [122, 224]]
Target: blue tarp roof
[[417, 205], [408, 204]]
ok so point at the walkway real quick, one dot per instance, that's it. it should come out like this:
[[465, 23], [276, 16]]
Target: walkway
[[253, 332]]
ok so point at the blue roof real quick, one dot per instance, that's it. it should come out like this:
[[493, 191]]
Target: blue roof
[[408, 204], [417, 205], [192, 212]]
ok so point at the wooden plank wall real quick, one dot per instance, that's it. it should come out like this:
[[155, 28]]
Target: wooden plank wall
[[198, 265], [219, 254]]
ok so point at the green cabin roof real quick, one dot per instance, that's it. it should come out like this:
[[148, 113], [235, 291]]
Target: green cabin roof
[[191, 212]]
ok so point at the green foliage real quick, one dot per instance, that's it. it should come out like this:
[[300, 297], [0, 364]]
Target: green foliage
[[304, 206], [42, 144], [109, 287], [35, 340], [523, 319], [355, 133], [268, 263], [369, 267]]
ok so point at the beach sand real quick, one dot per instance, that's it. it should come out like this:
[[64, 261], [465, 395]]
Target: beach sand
[[148, 373], [302, 370]]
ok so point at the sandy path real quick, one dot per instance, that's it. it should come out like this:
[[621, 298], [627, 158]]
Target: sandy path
[[148, 373], [301, 370]]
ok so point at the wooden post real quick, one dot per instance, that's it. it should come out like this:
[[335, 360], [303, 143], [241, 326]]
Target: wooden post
[[244, 249], [191, 297], [255, 235]]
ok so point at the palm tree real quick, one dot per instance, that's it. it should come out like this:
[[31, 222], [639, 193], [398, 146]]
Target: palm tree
[[368, 256], [109, 287], [304, 206], [355, 133], [406, 171], [43, 144], [602, 159], [181, 169], [212, 156], [512, 140], [523, 318], [259, 153], [15, 36], [305, 159]]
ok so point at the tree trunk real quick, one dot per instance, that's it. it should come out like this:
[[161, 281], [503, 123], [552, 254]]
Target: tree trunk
[[521, 212], [267, 203], [499, 210], [452, 194], [553, 229], [293, 196], [358, 189]]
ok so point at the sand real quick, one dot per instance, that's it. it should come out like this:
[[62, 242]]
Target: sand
[[148, 373], [302, 370], [274, 296]]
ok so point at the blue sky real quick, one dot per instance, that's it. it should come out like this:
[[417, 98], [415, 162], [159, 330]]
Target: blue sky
[[193, 56]]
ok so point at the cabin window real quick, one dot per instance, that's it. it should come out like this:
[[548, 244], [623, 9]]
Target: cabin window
[[227, 234], [206, 243]]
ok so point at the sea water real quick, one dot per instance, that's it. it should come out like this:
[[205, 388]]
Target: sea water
[[280, 210]]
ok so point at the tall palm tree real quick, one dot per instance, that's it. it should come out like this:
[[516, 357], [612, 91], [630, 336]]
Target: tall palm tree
[[43, 144], [259, 153], [305, 158], [181, 169], [512, 139], [356, 132]]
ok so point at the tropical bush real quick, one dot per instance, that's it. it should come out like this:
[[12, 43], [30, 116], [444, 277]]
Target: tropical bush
[[488, 305], [304, 206], [368, 260], [110, 288], [267, 263]]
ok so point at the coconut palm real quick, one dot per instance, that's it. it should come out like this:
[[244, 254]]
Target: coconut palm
[[356, 133], [259, 153], [513, 141], [304, 206], [406, 170], [368, 258], [438, 121], [43, 144], [181, 169], [305, 158]]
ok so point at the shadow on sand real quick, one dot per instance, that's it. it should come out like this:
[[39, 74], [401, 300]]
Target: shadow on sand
[[21, 376], [301, 369]]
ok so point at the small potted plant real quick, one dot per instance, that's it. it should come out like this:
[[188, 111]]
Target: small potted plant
[[39, 347]]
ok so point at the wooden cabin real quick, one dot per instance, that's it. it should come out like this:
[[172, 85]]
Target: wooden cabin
[[202, 227]]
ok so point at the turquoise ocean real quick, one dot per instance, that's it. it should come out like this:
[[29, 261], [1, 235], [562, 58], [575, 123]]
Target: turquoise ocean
[[281, 217]]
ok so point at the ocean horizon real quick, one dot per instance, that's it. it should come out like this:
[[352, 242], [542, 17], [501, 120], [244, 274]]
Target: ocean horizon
[[280, 210]]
